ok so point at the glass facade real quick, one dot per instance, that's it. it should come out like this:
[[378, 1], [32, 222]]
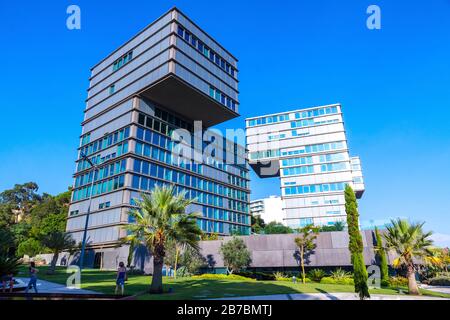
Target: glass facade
[[220, 189]]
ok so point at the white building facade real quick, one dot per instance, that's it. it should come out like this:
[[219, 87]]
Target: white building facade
[[269, 209], [308, 150]]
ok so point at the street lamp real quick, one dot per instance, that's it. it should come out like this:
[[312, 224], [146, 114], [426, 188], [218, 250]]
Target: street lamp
[[83, 245]]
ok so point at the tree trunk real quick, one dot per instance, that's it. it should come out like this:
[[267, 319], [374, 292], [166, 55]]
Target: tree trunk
[[156, 286], [412, 284], [303, 265], [176, 262], [130, 255], [52, 268]]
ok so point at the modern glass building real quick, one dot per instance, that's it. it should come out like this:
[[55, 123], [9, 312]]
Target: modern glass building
[[166, 77], [308, 150]]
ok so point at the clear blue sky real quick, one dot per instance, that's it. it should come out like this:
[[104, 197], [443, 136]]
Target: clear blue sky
[[393, 83]]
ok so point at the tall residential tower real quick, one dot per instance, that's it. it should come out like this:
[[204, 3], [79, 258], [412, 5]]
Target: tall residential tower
[[308, 150], [167, 76]]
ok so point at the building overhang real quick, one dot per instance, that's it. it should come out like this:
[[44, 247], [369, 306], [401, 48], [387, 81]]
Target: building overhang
[[359, 193], [182, 98]]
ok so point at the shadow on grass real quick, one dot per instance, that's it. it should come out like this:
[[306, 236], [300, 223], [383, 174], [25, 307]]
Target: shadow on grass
[[328, 295], [212, 288]]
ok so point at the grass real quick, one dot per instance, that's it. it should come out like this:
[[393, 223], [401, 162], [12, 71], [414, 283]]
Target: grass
[[192, 289]]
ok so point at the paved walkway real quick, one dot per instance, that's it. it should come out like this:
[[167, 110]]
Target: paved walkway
[[441, 289], [51, 287], [330, 296]]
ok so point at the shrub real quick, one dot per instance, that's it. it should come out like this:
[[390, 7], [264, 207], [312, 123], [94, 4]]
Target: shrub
[[398, 282], [328, 280], [284, 279], [9, 265], [439, 281], [340, 274], [385, 283], [331, 280], [257, 275], [279, 276], [316, 275], [30, 247], [211, 276]]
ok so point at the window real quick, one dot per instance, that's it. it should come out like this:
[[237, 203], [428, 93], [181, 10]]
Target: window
[[119, 63], [209, 53], [222, 98], [74, 213]]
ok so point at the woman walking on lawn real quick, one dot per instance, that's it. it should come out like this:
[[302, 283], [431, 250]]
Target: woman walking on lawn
[[121, 277], [33, 277]]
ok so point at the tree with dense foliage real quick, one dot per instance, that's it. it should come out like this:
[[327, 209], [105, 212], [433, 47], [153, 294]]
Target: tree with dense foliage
[[6, 240], [337, 226], [162, 217], [258, 223], [30, 247], [445, 256], [382, 258], [235, 255], [7, 218], [57, 242], [192, 260], [8, 263], [409, 242], [276, 228], [39, 215], [306, 244], [356, 244], [22, 197]]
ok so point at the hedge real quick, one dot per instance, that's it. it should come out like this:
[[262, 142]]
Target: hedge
[[211, 276]]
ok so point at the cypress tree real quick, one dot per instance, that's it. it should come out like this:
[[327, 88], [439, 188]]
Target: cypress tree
[[355, 244], [381, 253]]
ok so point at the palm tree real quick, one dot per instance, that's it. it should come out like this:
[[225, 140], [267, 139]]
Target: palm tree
[[9, 264], [409, 242], [162, 217], [57, 241]]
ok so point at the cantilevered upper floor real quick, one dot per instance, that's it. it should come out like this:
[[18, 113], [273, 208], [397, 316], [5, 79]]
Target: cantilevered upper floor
[[173, 63], [305, 147]]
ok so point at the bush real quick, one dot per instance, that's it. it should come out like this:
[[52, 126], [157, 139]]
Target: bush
[[279, 276], [284, 279], [316, 275], [398, 282], [30, 247], [331, 280], [340, 274], [211, 276], [257, 275], [385, 283], [439, 281]]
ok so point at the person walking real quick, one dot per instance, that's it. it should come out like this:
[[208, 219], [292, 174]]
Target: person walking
[[33, 277], [121, 277]]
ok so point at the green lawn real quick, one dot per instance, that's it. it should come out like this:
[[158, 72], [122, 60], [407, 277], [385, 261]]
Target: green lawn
[[188, 288]]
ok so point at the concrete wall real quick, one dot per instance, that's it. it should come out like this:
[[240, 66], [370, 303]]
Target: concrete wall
[[267, 251], [279, 251]]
